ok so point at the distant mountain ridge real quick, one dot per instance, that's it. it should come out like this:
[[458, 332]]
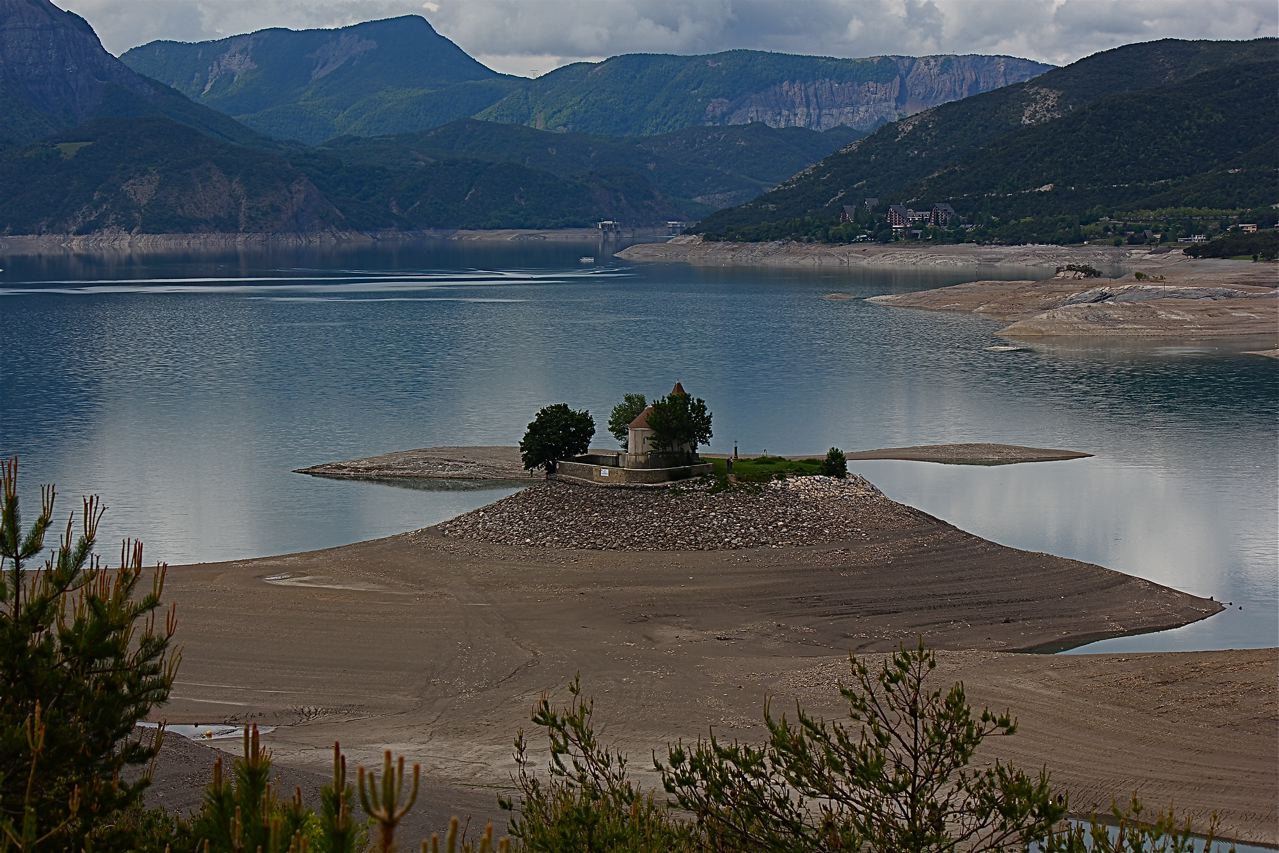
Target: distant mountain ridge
[[154, 176], [1159, 124], [367, 79], [401, 76], [643, 94], [120, 153], [699, 168], [54, 74]]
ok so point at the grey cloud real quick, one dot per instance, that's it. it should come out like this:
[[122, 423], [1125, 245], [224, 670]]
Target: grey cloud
[[522, 35]]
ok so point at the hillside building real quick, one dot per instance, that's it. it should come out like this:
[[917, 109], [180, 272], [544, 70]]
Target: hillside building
[[901, 217]]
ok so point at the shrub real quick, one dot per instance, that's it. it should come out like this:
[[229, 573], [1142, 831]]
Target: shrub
[[244, 813], [84, 656], [587, 801], [556, 433], [835, 464], [899, 780], [1087, 270]]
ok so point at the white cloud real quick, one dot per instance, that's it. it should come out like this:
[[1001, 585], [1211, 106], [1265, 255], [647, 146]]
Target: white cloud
[[525, 36]]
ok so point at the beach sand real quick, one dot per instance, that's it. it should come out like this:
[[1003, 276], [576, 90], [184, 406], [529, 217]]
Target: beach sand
[[438, 647]]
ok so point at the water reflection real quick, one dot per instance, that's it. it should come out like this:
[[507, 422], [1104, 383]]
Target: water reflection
[[186, 388]]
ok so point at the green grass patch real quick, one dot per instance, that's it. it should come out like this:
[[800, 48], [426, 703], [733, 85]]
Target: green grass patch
[[70, 149], [761, 469]]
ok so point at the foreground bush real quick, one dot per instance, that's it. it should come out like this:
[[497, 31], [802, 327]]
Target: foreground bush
[[899, 778], [586, 801], [243, 813], [84, 656]]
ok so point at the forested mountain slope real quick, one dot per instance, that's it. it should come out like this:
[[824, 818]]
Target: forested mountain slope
[[642, 94], [372, 78], [1146, 125]]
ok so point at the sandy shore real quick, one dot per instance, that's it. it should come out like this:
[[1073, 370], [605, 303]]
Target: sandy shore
[[438, 645], [494, 462], [1201, 300], [694, 250], [502, 462]]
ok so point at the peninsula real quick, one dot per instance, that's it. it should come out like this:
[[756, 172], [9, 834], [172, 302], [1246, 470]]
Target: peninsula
[[686, 607]]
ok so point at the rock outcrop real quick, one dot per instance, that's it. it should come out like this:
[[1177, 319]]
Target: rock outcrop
[[52, 64], [646, 94], [919, 84], [686, 517], [55, 74]]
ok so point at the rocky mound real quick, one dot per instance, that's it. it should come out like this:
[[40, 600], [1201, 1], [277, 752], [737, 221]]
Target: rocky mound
[[799, 511]]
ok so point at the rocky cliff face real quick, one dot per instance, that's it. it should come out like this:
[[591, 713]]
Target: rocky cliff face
[[55, 74], [52, 62], [920, 84], [647, 94]]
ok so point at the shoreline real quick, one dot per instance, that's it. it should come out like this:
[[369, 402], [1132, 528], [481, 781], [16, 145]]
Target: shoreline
[[1172, 296], [788, 254], [501, 463], [36, 244]]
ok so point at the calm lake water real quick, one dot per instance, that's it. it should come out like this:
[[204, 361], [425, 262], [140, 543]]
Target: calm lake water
[[184, 389]]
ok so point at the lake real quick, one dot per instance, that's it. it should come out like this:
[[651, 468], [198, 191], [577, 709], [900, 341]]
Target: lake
[[185, 388]]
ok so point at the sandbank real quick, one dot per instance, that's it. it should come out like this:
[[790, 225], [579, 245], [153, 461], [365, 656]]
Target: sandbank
[[1202, 300]]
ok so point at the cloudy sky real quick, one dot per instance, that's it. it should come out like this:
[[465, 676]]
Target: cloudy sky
[[534, 36]]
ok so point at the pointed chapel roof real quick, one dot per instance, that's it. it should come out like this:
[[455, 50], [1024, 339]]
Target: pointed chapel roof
[[641, 420], [678, 389]]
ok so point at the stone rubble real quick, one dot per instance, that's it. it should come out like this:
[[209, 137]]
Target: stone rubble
[[685, 517]]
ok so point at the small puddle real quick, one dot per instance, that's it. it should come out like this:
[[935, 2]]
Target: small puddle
[[202, 732]]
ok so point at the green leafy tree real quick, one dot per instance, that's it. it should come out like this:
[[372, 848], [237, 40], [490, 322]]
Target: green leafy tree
[[835, 464], [84, 656], [556, 433], [623, 413], [680, 423]]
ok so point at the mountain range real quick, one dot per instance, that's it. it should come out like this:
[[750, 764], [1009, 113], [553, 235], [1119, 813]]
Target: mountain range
[[92, 144], [375, 78], [642, 94], [400, 75], [1157, 125]]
